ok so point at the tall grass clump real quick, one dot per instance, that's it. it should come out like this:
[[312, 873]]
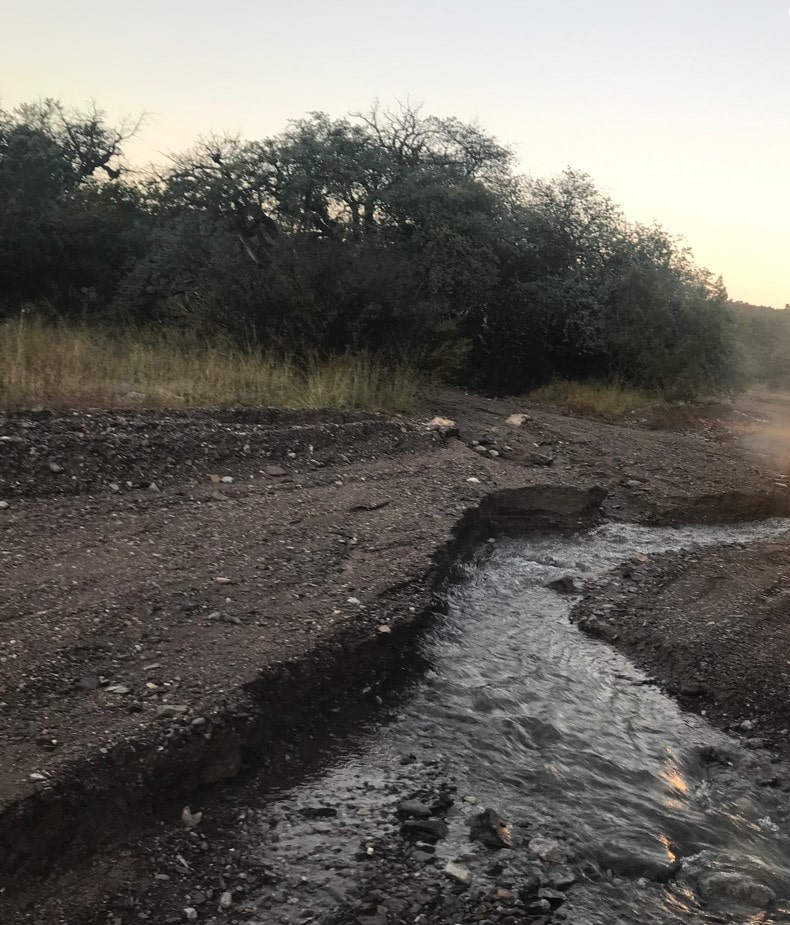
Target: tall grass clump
[[599, 399], [77, 366]]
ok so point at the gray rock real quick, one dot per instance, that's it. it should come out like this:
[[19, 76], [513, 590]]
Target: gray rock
[[565, 585], [54, 467], [191, 914], [489, 828], [414, 809], [428, 829], [275, 471], [541, 459], [3, 505], [458, 873], [726, 885]]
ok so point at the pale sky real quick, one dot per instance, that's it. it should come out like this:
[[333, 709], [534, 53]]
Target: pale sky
[[680, 109]]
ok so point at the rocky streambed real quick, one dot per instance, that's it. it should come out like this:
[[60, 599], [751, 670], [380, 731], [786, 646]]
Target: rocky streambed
[[618, 805]]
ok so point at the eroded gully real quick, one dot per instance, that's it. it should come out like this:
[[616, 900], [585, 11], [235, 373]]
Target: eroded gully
[[520, 711]]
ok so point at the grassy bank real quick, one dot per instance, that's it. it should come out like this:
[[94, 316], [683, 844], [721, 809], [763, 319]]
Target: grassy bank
[[70, 366], [598, 399]]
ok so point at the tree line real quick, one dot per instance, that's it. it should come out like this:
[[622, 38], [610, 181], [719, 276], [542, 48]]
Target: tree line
[[388, 231]]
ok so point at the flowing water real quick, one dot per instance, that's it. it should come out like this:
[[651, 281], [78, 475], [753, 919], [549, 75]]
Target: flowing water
[[564, 737]]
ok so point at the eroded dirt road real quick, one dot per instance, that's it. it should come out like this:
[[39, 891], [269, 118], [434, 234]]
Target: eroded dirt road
[[181, 593]]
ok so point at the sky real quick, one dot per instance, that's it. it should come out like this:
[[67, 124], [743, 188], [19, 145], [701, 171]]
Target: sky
[[678, 109]]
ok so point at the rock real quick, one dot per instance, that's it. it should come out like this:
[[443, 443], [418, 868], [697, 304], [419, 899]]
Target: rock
[[427, 829], [222, 581], [440, 422], [318, 812], [563, 881], [274, 471], [504, 895], [117, 689], [541, 459], [489, 828], [494, 454], [191, 914], [528, 888], [424, 857], [385, 629], [553, 897], [227, 480], [548, 850], [172, 709], [354, 600], [480, 449], [190, 819], [458, 873], [88, 683], [565, 585], [414, 809], [517, 420], [539, 907], [633, 867], [152, 486], [226, 900], [54, 467], [726, 885], [3, 505], [473, 480]]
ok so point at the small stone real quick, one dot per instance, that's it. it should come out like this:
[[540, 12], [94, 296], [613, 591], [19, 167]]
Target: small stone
[[227, 480], [564, 585], [541, 459], [226, 900], [354, 600], [471, 800], [427, 829], [117, 689], [275, 471], [114, 486], [385, 629], [518, 420], [494, 454], [458, 873], [413, 809], [198, 721], [55, 467], [3, 505], [473, 480], [489, 828], [214, 478], [191, 820], [191, 914], [222, 581], [504, 895], [479, 448], [37, 775], [152, 486], [548, 850], [440, 422]]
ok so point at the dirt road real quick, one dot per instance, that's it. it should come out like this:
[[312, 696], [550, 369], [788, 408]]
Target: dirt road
[[183, 593]]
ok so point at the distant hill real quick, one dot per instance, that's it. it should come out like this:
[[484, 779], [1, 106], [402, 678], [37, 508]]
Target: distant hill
[[746, 308]]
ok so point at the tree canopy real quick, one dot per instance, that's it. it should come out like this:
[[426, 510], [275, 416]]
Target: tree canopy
[[388, 230]]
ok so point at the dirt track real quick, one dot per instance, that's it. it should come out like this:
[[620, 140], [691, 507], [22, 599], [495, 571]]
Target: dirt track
[[156, 639]]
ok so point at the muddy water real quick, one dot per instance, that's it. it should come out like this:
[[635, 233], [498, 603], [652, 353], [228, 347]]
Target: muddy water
[[566, 739]]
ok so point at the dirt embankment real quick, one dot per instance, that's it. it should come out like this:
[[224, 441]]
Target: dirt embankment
[[181, 593]]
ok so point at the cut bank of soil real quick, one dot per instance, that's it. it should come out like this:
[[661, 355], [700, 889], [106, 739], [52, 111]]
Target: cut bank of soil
[[156, 639]]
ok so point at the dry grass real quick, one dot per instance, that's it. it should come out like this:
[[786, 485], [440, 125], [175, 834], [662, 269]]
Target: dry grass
[[71, 366], [598, 399]]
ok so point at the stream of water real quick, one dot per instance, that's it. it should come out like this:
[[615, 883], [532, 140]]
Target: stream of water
[[564, 737]]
